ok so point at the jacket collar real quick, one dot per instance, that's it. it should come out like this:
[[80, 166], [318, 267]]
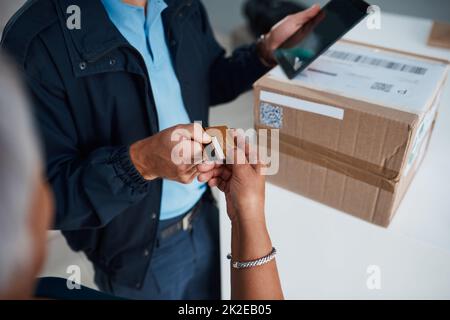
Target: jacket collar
[[98, 35]]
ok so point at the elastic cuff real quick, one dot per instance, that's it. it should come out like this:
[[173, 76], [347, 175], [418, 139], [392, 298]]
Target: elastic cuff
[[126, 170], [258, 65]]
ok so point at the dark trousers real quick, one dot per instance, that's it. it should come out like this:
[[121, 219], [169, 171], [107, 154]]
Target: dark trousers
[[185, 266]]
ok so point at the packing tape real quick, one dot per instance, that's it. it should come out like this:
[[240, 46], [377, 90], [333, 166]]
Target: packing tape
[[358, 169]]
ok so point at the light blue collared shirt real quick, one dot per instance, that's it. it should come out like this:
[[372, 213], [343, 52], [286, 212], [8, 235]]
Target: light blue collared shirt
[[145, 32]]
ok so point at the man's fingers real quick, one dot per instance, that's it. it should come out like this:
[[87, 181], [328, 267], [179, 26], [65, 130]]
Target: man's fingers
[[188, 152], [193, 176], [208, 171], [220, 178], [193, 131], [207, 166], [206, 176], [219, 172], [190, 172], [186, 175]]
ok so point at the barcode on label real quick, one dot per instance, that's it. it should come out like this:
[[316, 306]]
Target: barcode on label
[[357, 58], [382, 87]]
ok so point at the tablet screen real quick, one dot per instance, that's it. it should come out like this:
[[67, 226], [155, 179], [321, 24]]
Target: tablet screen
[[315, 37]]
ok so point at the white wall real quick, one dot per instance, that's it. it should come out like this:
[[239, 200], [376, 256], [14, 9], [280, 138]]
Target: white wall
[[226, 14]]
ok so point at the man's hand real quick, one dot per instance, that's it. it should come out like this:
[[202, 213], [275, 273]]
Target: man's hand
[[153, 157], [283, 31]]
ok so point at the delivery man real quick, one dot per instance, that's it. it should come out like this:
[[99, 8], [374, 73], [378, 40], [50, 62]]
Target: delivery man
[[108, 93]]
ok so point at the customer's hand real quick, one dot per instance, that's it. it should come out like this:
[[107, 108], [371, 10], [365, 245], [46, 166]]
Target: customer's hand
[[243, 185], [244, 188], [154, 157], [282, 31]]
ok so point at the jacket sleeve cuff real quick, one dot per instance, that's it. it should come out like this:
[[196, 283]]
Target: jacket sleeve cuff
[[127, 172], [257, 65]]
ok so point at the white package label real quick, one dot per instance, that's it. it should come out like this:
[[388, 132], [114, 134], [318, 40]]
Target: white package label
[[303, 105], [376, 76]]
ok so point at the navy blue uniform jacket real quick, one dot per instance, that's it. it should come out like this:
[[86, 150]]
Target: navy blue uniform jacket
[[92, 99]]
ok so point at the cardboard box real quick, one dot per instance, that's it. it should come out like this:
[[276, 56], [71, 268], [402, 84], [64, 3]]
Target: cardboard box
[[354, 127], [440, 35]]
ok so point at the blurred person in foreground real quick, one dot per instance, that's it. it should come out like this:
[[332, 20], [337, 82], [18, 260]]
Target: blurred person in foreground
[[26, 202], [25, 198], [26, 212]]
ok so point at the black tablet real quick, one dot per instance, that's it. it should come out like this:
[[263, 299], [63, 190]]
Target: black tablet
[[333, 21]]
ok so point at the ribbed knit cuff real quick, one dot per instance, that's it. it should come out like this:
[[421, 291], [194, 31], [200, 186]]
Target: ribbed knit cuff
[[126, 170]]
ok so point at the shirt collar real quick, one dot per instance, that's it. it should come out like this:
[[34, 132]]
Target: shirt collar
[[134, 19]]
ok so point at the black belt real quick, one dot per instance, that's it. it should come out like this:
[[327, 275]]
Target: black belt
[[184, 224]]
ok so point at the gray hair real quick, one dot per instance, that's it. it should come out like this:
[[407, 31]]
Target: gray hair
[[19, 165]]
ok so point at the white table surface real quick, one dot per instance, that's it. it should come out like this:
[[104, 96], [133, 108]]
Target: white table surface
[[325, 253]]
